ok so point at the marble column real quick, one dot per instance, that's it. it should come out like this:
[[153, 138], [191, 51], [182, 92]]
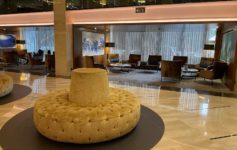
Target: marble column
[[63, 40]]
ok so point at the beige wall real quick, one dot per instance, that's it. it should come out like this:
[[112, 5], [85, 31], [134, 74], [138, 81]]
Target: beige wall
[[27, 19]]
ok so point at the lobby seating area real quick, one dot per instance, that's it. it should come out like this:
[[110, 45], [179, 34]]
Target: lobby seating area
[[118, 74], [173, 52], [156, 71], [23, 61], [177, 69]]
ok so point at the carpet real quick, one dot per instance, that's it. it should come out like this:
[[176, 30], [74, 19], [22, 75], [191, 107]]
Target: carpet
[[18, 92]]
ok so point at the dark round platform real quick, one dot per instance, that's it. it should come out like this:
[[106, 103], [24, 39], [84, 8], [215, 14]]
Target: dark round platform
[[20, 133], [18, 92]]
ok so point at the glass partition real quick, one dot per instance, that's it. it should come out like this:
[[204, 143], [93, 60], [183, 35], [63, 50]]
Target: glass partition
[[25, 6]]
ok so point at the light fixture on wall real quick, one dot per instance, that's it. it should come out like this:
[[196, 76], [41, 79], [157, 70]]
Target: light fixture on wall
[[208, 50], [209, 47], [20, 42], [109, 44]]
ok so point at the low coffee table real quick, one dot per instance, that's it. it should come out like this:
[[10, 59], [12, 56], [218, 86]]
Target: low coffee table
[[189, 73], [120, 67]]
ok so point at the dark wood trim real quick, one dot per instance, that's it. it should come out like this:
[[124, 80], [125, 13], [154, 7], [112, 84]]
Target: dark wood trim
[[235, 67], [219, 39], [230, 77]]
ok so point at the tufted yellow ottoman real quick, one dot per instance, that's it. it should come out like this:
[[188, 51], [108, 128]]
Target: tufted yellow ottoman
[[90, 112], [6, 84]]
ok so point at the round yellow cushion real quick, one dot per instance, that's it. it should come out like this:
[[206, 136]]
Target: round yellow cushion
[[59, 119], [6, 84], [89, 86]]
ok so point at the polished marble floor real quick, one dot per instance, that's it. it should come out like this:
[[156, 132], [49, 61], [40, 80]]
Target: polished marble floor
[[192, 120]]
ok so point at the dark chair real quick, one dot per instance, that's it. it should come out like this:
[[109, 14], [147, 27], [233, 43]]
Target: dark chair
[[153, 63], [33, 61], [39, 55], [10, 58], [217, 71], [22, 57], [50, 62], [94, 62], [204, 63], [183, 59], [88, 62], [134, 59], [171, 69], [99, 61], [113, 58]]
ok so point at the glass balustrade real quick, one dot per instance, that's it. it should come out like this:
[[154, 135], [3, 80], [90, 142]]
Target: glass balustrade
[[25, 6]]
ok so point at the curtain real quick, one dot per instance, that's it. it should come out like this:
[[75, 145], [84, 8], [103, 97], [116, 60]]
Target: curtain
[[38, 38], [167, 40]]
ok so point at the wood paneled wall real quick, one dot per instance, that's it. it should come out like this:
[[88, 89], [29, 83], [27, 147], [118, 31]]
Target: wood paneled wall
[[230, 76]]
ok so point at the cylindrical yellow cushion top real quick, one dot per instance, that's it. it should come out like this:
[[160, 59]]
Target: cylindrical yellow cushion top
[[89, 87]]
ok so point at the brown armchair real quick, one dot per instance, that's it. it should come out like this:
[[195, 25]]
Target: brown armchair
[[10, 57], [33, 61], [50, 62], [134, 59], [113, 58], [94, 62], [153, 63], [216, 72], [171, 69], [204, 63], [183, 59]]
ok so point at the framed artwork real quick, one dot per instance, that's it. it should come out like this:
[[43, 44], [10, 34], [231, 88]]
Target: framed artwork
[[92, 43], [7, 41]]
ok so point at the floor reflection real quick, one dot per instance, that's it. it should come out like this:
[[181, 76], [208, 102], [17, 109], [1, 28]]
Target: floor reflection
[[191, 117], [149, 96]]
